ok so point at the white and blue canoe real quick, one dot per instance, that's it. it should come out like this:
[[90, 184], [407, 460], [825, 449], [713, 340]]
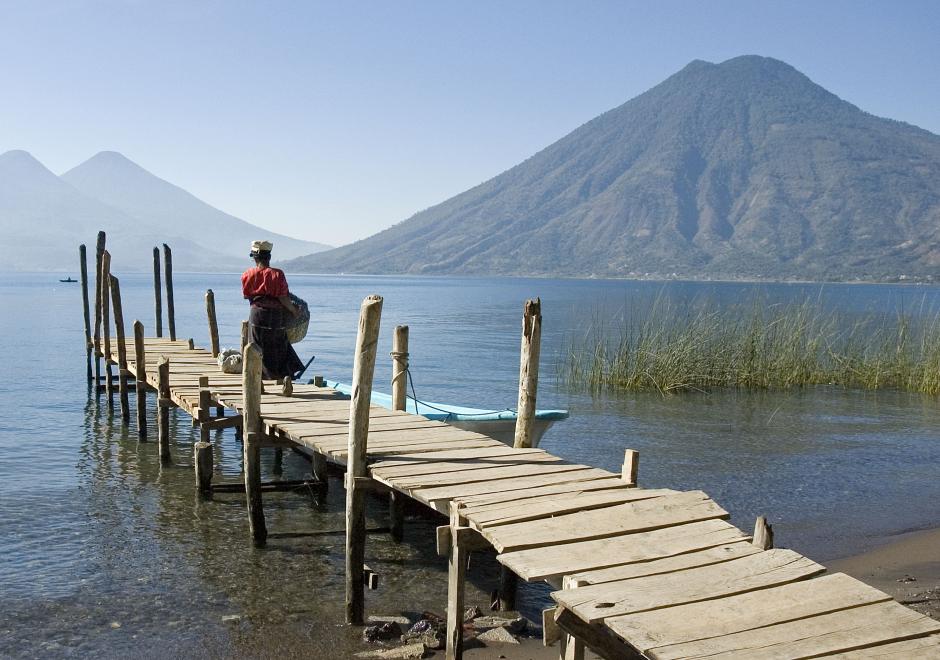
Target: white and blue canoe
[[497, 424]]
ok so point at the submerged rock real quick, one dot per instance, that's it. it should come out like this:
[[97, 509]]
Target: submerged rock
[[416, 650], [400, 620], [497, 635], [511, 621], [385, 631]]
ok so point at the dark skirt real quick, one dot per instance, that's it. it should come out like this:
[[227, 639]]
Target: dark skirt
[[266, 329]]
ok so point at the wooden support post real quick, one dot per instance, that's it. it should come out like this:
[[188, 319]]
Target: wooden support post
[[245, 335], [157, 295], [251, 395], [83, 266], [318, 471], [396, 500], [370, 315], [168, 277], [508, 584], [571, 647], [115, 286], [528, 372], [140, 380], [205, 408], [456, 588], [213, 325], [106, 324], [163, 410], [763, 534], [278, 466], [399, 367], [631, 467], [597, 637], [99, 251], [202, 459], [191, 344]]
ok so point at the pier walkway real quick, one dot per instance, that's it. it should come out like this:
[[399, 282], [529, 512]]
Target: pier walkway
[[640, 573]]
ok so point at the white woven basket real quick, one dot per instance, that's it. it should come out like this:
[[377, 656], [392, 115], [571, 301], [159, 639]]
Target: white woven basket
[[296, 326]]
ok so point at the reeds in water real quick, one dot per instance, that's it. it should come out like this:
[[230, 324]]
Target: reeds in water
[[765, 347]]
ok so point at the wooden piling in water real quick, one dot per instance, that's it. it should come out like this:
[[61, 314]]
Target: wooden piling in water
[[631, 467], [99, 251], [763, 534], [528, 372], [396, 501], [115, 286], [140, 380], [157, 296], [370, 315], [213, 325], [106, 324], [252, 432], [83, 270], [202, 460], [168, 278], [163, 410]]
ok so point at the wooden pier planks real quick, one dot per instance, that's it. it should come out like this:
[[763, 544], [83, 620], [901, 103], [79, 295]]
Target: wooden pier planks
[[664, 573]]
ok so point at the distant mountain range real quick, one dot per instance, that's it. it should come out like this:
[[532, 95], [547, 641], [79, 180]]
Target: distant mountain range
[[744, 169], [46, 217]]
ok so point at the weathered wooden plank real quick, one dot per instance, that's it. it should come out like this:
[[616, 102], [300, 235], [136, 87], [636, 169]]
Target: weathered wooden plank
[[626, 518], [747, 611], [440, 467], [392, 450], [844, 630], [562, 489], [923, 648], [760, 571], [705, 557], [488, 474], [529, 510], [522, 483], [420, 459], [551, 561]]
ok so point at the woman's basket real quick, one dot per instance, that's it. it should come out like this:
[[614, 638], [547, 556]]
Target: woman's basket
[[296, 326]]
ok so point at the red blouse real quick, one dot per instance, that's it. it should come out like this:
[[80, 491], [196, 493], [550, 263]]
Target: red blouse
[[264, 282]]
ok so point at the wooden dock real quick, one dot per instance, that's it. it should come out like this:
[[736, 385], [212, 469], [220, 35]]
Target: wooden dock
[[639, 573]]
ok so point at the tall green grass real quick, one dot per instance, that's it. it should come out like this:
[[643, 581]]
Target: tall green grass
[[761, 347]]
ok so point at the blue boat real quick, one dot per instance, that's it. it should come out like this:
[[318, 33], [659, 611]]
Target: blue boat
[[497, 424]]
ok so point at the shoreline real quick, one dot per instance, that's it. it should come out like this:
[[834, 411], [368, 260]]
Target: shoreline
[[907, 568]]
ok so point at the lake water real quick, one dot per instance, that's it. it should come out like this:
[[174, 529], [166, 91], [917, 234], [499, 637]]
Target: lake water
[[103, 552]]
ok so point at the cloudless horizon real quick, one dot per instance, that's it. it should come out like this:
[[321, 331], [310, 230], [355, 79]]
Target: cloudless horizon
[[332, 121]]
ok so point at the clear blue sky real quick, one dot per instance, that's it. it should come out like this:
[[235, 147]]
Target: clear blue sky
[[332, 120]]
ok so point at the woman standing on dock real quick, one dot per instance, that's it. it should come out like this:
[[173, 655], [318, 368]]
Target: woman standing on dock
[[266, 290]]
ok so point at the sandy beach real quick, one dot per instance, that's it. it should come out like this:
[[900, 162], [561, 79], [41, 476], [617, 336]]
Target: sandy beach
[[907, 568]]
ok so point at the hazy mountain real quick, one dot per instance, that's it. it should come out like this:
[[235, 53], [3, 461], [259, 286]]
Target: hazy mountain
[[44, 219], [741, 169], [121, 183]]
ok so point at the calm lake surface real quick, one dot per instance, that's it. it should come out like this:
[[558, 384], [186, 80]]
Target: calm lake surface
[[104, 553]]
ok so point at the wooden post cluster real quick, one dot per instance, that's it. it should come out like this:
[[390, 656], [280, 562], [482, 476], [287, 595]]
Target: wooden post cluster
[[168, 277], [99, 252], [396, 501], [163, 410], [528, 372], [106, 324], [251, 394], [157, 295], [115, 286], [83, 265], [140, 380], [213, 325], [370, 315]]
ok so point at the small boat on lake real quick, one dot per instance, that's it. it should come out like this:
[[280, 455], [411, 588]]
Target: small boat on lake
[[68, 279], [497, 424]]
